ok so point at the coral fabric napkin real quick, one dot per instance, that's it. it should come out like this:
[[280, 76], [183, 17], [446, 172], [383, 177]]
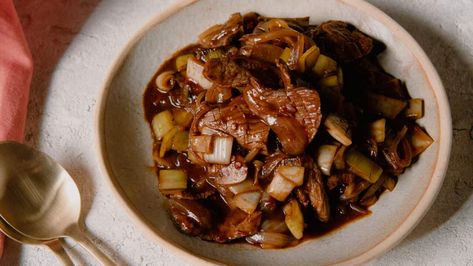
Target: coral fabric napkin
[[16, 68]]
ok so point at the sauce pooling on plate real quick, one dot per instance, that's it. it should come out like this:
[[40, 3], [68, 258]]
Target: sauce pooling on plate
[[273, 130]]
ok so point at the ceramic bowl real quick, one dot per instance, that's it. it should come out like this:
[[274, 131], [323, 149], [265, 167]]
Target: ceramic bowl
[[125, 140]]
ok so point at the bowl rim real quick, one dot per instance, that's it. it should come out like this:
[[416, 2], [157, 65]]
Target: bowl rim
[[396, 236]]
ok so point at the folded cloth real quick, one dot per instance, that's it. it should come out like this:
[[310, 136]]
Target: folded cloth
[[16, 68]]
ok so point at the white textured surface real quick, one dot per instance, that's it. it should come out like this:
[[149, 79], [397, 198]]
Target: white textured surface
[[75, 42]]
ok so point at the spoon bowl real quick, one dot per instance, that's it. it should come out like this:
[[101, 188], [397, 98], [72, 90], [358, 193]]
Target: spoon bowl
[[55, 245], [38, 197]]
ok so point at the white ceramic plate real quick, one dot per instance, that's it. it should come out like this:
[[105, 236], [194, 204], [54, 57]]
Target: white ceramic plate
[[125, 141]]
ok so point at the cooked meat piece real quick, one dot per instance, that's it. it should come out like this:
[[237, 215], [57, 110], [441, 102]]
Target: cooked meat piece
[[342, 41], [221, 35], [237, 224], [247, 129], [368, 75], [190, 216], [218, 94], [270, 164], [236, 71], [318, 198], [293, 114]]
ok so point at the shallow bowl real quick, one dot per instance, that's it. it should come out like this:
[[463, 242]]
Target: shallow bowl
[[125, 140]]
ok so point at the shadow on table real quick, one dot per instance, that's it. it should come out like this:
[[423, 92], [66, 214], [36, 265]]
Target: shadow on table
[[83, 178], [456, 74], [45, 22]]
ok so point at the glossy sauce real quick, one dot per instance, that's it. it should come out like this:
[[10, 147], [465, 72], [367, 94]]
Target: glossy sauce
[[156, 101]]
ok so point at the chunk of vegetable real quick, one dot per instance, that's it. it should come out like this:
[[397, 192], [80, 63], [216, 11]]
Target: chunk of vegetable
[[363, 166], [294, 219], [221, 152], [166, 144], [202, 143], [292, 173], [325, 157], [324, 66], [165, 81], [181, 61], [243, 187], [269, 240], [180, 142], [274, 225], [174, 179], [420, 140], [162, 123], [338, 128], [374, 187], [389, 183], [195, 72], [386, 106], [378, 130], [247, 201], [328, 82], [339, 160], [308, 59], [280, 187], [415, 108], [182, 117], [286, 53]]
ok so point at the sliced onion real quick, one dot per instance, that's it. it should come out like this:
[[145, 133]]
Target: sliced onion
[[162, 123], [308, 59], [378, 130], [221, 152], [325, 158], [397, 156], [280, 187], [195, 72], [363, 166], [274, 225], [292, 173], [420, 140], [338, 128], [247, 201], [270, 239], [328, 82], [172, 179], [165, 81], [294, 219]]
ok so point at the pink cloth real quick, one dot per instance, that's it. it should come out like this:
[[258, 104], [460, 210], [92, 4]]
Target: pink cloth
[[16, 68]]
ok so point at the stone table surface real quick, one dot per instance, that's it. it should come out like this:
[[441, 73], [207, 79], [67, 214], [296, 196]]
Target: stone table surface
[[74, 42]]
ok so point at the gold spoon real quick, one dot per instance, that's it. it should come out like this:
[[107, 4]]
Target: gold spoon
[[39, 199], [55, 245]]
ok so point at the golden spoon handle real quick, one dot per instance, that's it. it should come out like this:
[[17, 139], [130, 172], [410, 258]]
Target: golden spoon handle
[[57, 247], [79, 236]]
